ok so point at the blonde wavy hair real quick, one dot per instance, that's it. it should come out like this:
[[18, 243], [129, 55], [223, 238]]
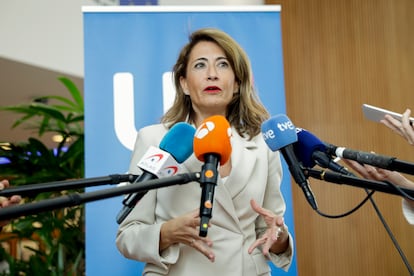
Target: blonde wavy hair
[[245, 112]]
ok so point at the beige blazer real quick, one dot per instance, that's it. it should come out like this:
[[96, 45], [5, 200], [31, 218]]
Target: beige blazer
[[256, 173]]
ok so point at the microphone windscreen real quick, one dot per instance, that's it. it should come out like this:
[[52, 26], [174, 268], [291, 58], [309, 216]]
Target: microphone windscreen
[[178, 141], [213, 136], [307, 144], [278, 132]]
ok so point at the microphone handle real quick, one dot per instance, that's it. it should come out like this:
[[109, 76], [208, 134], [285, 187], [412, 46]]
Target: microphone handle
[[31, 190], [402, 166], [376, 160], [208, 181], [131, 200], [298, 175], [77, 199], [325, 161]]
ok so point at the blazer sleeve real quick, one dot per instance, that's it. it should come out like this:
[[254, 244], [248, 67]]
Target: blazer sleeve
[[138, 235], [274, 200]]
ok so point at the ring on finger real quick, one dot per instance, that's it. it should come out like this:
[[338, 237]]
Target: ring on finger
[[279, 232], [192, 242]]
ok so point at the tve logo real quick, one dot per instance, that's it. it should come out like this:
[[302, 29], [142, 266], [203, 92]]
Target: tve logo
[[124, 111], [288, 125], [282, 124], [278, 132], [269, 134]]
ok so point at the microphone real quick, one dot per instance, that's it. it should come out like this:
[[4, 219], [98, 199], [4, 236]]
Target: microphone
[[310, 151], [279, 133], [32, 190], [73, 199], [211, 146], [175, 147], [376, 160]]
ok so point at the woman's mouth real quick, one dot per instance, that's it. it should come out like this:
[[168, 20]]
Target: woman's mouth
[[212, 89]]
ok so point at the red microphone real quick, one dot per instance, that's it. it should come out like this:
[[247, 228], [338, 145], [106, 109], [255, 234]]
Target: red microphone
[[211, 146]]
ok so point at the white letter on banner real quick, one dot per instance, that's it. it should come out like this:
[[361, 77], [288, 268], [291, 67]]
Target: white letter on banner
[[124, 112], [168, 90]]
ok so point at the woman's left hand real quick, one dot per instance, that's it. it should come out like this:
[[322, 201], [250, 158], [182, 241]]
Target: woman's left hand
[[275, 239], [5, 201]]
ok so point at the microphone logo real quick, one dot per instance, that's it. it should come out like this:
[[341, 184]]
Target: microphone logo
[[154, 158], [269, 134], [206, 128], [170, 170], [160, 164], [282, 126]]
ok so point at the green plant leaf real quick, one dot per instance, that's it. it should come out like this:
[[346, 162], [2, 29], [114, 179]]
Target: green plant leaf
[[74, 91], [59, 232]]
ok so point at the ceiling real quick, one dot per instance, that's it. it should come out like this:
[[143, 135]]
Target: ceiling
[[21, 83]]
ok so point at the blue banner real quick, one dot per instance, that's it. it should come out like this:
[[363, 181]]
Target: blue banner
[[129, 54]]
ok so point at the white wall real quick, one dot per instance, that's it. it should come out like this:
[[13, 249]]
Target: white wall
[[49, 33], [44, 33]]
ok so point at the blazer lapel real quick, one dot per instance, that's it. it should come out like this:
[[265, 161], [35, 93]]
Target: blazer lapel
[[243, 158]]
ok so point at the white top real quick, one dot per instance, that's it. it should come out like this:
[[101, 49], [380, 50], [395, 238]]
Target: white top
[[408, 211]]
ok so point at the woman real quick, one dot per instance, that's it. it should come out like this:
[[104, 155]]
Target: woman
[[212, 77]]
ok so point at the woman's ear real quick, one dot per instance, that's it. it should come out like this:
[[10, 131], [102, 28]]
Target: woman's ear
[[183, 83], [236, 87]]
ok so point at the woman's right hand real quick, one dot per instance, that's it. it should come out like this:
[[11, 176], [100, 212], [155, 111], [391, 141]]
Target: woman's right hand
[[185, 229], [403, 128]]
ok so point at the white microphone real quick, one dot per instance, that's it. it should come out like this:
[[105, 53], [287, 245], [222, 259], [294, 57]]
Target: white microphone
[[376, 160], [164, 161]]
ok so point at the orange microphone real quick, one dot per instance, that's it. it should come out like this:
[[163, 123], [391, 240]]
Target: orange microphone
[[211, 146]]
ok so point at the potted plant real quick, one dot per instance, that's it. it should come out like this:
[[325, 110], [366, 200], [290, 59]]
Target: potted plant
[[53, 241]]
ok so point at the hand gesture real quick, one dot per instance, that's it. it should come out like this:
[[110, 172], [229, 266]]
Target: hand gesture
[[185, 229], [275, 239]]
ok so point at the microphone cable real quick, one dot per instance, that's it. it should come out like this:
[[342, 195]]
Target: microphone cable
[[382, 219], [391, 235], [386, 226]]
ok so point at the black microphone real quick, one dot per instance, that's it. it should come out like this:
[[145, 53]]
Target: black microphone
[[175, 147], [32, 190], [279, 133], [211, 146], [376, 160], [311, 151]]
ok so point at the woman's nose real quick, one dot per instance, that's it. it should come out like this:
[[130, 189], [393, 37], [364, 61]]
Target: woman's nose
[[212, 74]]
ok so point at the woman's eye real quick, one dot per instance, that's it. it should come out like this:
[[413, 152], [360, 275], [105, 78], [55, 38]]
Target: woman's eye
[[199, 65], [223, 64]]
